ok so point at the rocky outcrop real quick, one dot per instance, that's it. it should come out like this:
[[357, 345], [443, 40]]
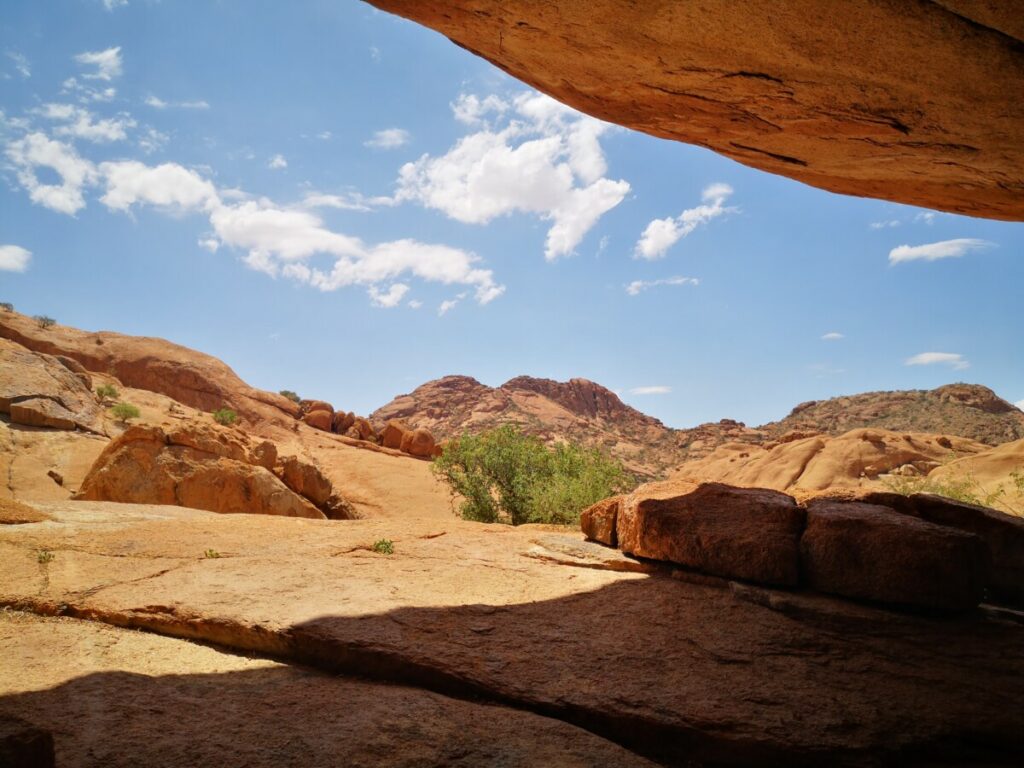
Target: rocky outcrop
[[393, 433], [196, 467], [37, 390], [908, 102], [736, 533], [307, 480], [866, 552], [22, 745], [598, 521], [419, 443], [320, 419], [185, 375]]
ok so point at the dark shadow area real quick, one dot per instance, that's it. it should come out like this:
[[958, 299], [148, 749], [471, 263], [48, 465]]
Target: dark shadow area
[[682, 673]]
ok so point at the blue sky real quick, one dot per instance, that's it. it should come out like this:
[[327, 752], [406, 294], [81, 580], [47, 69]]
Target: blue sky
[[339, 202]]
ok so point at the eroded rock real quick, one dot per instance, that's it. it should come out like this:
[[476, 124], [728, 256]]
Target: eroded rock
[[598, 521]]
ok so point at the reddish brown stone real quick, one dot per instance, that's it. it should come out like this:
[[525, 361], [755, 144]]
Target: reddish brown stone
[[393, 433], [418, 442], [319, 420], [342, 422], [598, 520]]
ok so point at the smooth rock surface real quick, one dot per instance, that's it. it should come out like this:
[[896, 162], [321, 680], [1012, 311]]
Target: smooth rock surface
[[738, 533], [870, 552], [911, 102]]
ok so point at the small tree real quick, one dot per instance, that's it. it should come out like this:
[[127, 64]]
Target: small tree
[[44, 322], [6, 306], [225, 416], [506, 476], [106, 392], [290, 395], [124, 411]]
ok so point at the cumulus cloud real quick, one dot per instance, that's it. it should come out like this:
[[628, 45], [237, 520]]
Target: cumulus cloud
[[955, 361], [662, 234], [80, 123], [832, 336], [277, 162], [389, 298], [542, 158], [944, 249], [389, 138], [637, 286], [36, 150], [106, 64], [659, 389], [14, 258], [157, 103], [168, 186]]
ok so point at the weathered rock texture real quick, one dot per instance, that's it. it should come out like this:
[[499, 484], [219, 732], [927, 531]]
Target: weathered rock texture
[[198, 467], [598, 521], [912, 102], [22, 745], [868, 552]]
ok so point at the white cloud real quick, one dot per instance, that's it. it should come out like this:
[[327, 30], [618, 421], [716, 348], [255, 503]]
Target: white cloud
[[375, 53], [832, 336], [1019, 405], [470, 109], [387, 299], [885, 224], [415, 303], [36, 150], [21, 65], [210, 244], [14, 258], [389, 138], [546, 160], [635, 287], [324, 135], [153, 140], [928, 217], [446, 306], [80, 123], [945, 249], [662, 234], [349, 201], [86, 93], [107, 63], [652, 390], [112, 4], [956, 361], [157, 103], [168, 186], [277, 162]]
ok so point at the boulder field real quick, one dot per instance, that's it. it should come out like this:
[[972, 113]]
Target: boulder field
[[911, 102], [498, 646]]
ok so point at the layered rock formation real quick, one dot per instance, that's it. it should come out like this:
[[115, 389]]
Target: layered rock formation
[[911, 102]]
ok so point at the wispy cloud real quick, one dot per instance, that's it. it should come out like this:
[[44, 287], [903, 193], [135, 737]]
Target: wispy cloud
[[944, 249], [658, 389], [832, 336], [107, 64], [277, 163], [662, 234], [389, 138], [885, 224], [954, 360], [14, 258], [21, 65], [80, 123], [157, 103], [637, 286], [446, 306]]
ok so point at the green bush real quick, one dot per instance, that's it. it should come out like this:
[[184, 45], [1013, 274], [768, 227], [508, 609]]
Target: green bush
[[384, 547], [505, 476], [44, 322], [225, 416], [211, 554], [106, 392], [290, 395], [966, 489], [124, 411], [6, 306]]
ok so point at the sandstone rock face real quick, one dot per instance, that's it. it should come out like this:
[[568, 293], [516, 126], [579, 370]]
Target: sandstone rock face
[[598, 521], [144, 466], [342, 422], [418, 442], [308, 406], [38, 391], [867, 552], [911, 102], [321, 420], [306, 480], [361, 429], [192, 378], [740, 533], [393, 433]]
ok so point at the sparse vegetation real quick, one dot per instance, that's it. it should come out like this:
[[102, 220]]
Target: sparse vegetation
[[290, 395], [384, 547], [966, 489], [106, 392], [6, 306], [123, 412], [211, 554], [225, 416], [44, 322], [44, 556], [505, 476]]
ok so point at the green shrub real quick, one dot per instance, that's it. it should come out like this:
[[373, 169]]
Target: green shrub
[[6, 306], [44, 322], [505, 476], [384, 547], [44, 556], [106, 392], [225, 416], [211, 554], [290, 395], [966, 489], [124, 411]]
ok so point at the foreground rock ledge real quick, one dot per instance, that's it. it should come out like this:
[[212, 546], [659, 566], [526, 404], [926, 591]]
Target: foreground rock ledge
[[681, 672], [912, 102]]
